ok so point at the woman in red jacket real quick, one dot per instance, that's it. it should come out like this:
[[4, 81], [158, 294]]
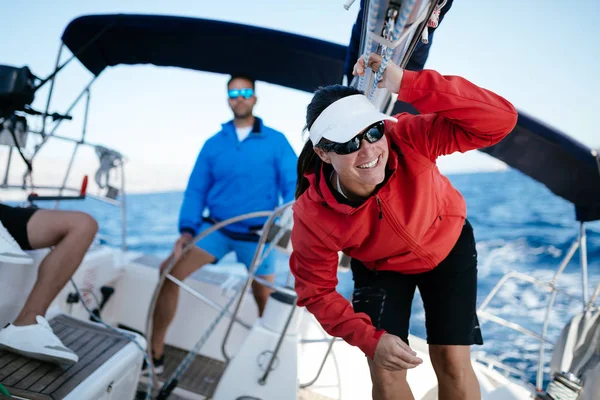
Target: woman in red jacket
[[368, 186]]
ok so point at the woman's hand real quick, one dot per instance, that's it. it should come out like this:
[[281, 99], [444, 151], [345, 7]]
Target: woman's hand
[[393, 354], [392, 76]]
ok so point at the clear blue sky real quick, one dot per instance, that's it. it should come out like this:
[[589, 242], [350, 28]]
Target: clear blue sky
[[542, 56]]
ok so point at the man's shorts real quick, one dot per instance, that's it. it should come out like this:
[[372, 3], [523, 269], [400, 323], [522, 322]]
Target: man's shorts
[[218, 244], [449, 294], [15, 221]]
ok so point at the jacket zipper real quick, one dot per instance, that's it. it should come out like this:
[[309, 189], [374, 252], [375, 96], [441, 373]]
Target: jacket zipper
[[401, 232]]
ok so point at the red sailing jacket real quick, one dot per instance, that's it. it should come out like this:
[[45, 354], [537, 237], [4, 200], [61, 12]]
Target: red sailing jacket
[[412, 222]]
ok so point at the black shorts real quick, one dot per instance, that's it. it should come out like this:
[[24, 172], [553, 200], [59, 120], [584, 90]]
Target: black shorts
[[15, 221], [449, 294]]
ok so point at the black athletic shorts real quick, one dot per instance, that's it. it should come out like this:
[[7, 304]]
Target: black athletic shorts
[[449, 294], [15, 221]]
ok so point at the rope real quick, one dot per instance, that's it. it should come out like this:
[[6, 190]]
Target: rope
[[558, 391], [434, 20], [372, 20], [405, 12]]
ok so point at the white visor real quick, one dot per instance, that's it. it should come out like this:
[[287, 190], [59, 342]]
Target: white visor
[[346, 118]]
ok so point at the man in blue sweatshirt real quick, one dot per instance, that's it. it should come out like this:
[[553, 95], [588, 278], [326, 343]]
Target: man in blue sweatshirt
[[245, 167]]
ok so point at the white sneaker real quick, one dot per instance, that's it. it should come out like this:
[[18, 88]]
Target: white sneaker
[[10, 252], [36, 341]]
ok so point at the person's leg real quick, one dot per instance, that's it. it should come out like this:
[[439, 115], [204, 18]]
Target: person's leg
[[261, 292], [244, 252], [386, 297], [13, 234], [453, 368], [71, 234], [166, 303], [449, 295], [210, 249], [389, 385]]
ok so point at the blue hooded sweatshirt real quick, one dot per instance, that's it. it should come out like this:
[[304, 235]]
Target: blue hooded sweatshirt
[[232, 178]]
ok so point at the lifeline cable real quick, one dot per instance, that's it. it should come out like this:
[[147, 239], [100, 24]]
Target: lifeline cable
[[405, 12], [183, 366]]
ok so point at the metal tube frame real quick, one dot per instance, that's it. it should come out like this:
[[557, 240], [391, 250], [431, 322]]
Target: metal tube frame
[[417, 35], [171, 264], [386, 104], [123, 208], [66, 188], [5, 180], [205, 299], [67, 173], [253, 266], [578, 243], [593, 298], [584, 264], [53, 80], [312, 381], [251, 274], [263, 379], [45, 136]]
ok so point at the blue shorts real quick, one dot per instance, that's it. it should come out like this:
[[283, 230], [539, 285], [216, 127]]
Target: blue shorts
[[217, 244]]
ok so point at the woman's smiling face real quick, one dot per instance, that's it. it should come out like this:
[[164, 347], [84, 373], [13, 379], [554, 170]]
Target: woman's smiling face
[[361, 171]]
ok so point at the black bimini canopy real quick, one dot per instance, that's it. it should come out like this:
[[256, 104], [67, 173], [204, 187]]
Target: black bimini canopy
[[281, 58], [568, 168]]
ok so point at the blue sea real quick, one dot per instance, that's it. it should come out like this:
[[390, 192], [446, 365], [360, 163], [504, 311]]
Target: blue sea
[[519, 226]]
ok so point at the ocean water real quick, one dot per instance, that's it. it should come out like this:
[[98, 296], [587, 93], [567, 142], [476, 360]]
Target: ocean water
[[519, 226]]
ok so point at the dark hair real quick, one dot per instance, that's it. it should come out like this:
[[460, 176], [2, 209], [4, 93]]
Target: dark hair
[[323, 98], [242, 76]]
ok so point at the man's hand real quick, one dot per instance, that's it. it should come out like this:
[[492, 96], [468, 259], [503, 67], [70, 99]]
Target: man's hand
[[183, 240], [393, 354], [392, 76]]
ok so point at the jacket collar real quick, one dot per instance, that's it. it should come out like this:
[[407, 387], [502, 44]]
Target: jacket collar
[[257, 128]]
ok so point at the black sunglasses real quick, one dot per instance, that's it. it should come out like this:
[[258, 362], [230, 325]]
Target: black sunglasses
[[372, 134]]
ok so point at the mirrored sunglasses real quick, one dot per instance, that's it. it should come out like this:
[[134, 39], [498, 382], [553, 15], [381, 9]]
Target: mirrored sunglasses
[[372, 134], [245, 93]]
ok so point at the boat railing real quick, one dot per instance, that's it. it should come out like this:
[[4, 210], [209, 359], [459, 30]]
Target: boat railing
[[506, 370], [550, 286], [259, 255], [109, 159], [274, 241]]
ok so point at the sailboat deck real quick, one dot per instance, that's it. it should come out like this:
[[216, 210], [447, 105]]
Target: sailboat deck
[[38, 380], [201, 377]]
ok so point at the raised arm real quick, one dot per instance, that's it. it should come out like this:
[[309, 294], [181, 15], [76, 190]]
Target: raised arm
[[456, 115]]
